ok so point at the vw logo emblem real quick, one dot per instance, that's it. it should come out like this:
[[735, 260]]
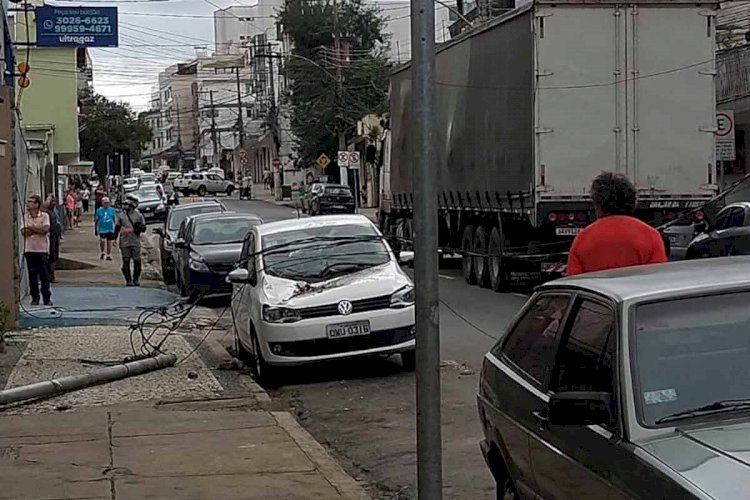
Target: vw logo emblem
[[345, 308]]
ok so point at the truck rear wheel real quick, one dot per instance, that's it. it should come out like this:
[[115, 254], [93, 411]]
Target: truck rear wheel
[[480, 257], [467, 246], [499, 279]]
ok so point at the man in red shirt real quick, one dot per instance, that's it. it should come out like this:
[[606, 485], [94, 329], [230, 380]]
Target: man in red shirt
[[616, 239]]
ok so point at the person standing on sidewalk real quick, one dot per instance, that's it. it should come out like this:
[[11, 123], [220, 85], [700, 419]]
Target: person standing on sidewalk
[[129, 225], [55, 234], [104, 228], [86, 196], [70, 207], [35, 231], [616, 239]]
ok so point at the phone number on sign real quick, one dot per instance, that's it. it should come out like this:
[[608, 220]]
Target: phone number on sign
[[83, 29], [82, 20]]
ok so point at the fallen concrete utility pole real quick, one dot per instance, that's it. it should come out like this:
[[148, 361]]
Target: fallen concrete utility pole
[[74, 382]]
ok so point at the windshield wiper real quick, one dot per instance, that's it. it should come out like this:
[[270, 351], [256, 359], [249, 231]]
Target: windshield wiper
[[725, 405], [346, 266]]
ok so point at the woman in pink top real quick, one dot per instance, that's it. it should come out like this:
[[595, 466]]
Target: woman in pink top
[[35, 233], [70, 207]]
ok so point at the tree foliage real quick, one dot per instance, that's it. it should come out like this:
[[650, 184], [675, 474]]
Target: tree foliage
[[319, 108], [106, 126]]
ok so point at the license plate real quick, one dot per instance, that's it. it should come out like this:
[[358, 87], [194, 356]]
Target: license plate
[[352, 329], [567, 231]]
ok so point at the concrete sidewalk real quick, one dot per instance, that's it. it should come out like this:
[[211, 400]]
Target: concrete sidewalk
[[79, 262], [176, 450]]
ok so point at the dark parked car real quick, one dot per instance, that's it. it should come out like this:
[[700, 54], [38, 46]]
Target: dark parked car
[[206, 249], [730, 235], [630, 383], [331, 199], [150, 204], [168, 232]]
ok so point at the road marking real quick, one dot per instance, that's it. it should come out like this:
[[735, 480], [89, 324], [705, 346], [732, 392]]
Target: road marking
[[446, 277]]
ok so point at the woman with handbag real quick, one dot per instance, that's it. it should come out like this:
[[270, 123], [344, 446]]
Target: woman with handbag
[[129, 226]]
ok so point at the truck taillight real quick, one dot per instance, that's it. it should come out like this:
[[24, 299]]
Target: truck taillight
[[552, 217], [571, 217], [581, 216], [699, 215]]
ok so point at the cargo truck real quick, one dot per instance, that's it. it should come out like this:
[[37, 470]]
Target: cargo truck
[[533, 105]]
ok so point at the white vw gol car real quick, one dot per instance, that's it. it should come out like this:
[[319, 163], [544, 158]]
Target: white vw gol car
[[324, 288]]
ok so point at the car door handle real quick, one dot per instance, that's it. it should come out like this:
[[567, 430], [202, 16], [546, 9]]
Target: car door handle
[[540, 418]]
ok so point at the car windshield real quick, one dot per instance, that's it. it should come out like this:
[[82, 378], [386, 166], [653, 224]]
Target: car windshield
[[148, 178], [337, 191], [690, 353], [130, 181], [221, 231], [177, 216], [147, 196], [323, 252]]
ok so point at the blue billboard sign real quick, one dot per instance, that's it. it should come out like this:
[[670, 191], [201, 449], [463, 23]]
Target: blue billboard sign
[[76, 26]]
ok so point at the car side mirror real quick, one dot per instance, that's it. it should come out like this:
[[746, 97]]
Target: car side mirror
[[240, 276], [158, 230], [180, 243], [580, 408], [405, 256]]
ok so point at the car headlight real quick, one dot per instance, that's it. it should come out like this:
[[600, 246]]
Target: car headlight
[[403, 298], [160, 207], [272, 314], [197, 263]]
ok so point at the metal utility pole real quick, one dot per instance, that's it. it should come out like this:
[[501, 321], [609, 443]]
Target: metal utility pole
[[240, 122], [214, 139], [424, 180], [278, 175], [344, 171]]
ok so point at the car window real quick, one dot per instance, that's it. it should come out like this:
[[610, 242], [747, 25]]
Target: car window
[[177, 216], [337, 191], [531, 343], [247, 257], [197, 177], [691, 352], [736, 217], [222, 231], [580, 365]]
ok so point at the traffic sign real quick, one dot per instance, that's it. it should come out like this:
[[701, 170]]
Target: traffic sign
[[343, 158], [242, 154], [725, 148], [76, 26], [323, 160], [354, 160]]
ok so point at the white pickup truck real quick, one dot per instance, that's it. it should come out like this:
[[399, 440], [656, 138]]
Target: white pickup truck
[[203, 183]]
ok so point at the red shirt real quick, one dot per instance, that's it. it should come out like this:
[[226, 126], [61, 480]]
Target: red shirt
[[615, 241]]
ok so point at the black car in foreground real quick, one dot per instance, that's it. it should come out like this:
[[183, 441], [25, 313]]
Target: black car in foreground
[[150, 204], [206, 249], [168, 232], [331, 199], [630, 383]]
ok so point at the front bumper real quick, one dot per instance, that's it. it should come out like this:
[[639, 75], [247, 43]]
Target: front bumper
[[305, 341], [209, 283], [151, 215]]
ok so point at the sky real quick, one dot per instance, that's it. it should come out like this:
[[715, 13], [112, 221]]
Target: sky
[[153, 35]]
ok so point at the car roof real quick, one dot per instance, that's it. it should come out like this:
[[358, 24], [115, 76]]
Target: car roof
[[688, 277], [309, 222], [199, 204], [225, 215]]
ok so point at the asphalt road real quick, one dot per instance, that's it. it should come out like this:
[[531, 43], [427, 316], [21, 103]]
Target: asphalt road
[[365, 410]]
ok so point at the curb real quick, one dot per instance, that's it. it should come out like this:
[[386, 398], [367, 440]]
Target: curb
[[347, 486]]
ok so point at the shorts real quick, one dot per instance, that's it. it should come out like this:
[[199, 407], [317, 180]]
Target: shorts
[[132, 253], [107, 236]]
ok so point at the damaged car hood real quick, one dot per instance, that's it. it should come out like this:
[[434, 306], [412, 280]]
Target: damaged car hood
[[377, 281]]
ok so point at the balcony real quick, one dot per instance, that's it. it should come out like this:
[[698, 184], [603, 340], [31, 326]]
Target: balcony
[[733, 74]]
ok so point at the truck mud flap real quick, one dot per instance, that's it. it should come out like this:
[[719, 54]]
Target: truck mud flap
[[535, 269]]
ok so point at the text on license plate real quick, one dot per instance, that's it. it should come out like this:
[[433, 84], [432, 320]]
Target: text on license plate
[[352, 329], [567, 231]]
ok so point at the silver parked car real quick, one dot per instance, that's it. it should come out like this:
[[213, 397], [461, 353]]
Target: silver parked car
[[630, 383]]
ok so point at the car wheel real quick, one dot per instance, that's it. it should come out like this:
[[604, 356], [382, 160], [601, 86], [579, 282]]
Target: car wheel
[[230, 190], [499, 279], [480, 260], [467, 246], [202, 191], [409, 360], [167, 272], [265, 374], [507, 491]]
